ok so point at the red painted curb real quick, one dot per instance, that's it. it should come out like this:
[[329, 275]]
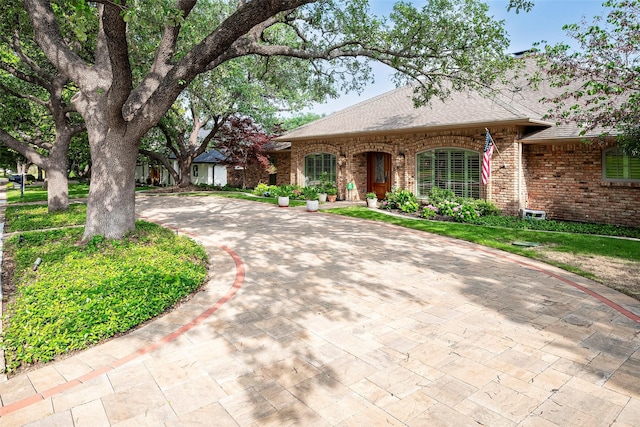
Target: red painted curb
[[38, 397]]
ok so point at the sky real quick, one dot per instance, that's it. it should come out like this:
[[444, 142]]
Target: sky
[[543, 23]]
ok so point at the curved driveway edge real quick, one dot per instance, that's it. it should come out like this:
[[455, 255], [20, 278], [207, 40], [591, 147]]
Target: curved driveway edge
[[349, 322]]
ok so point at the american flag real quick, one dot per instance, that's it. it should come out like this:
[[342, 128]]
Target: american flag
[[486, 159]]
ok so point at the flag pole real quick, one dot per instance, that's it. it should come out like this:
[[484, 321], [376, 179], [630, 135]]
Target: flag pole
[[495, 146]]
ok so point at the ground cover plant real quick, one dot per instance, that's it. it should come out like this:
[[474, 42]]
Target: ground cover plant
[[82, 294]]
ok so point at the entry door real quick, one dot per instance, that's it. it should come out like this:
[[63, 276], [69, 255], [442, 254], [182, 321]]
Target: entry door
[[379, 174]]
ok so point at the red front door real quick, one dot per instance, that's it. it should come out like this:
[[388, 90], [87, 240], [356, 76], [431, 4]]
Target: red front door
[[379, 174]]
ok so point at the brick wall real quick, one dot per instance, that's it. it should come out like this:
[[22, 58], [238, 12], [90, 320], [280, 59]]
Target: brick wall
[[566, 182], [563, 180], [255, 174], [282, 161], [352, 152]]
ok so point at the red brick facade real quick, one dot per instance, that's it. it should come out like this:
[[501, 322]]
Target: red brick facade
[[565, 180], [351, 155]]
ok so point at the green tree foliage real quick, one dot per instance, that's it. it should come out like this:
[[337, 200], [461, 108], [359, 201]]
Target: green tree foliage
[[37, 118], [142, 58], [601, 76], [299, 120], [254, 87]]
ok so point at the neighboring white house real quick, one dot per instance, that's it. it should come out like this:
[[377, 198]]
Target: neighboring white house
[[147, 174], [206, 169]]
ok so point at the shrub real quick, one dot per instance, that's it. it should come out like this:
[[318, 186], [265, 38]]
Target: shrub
[[486, 208], [438, 195], [409, 207], [429, 211], [404, 200], [465, 212], [447, 207], [261, 189]]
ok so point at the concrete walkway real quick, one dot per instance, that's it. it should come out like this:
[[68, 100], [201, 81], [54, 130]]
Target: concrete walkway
[[314, 319]]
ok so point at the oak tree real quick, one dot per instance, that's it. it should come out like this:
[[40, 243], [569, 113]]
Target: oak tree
[[130, 82], [37, 118]]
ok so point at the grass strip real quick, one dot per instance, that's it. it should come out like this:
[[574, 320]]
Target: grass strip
[[27, 218], [38, 193], [503, 238]]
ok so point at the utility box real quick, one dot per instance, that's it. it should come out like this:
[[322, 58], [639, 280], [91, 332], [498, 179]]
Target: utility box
[[533, 214]]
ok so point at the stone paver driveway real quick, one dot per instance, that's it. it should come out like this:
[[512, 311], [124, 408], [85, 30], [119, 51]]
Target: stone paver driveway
[[315, 319]]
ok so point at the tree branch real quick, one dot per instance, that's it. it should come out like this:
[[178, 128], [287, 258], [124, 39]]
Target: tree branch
[[26, 96], [48, 37], [197, 60], [160, 158], [122, 81], [23, 148]]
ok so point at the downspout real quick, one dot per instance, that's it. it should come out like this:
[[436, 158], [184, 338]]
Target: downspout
[[520, 175]]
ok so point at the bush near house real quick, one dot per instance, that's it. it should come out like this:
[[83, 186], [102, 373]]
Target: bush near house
[[444, 205], [294, 192], [403, 200]]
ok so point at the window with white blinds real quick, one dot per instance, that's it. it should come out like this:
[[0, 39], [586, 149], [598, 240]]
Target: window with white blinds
[[619, 166], [450, 169], [317, 163]]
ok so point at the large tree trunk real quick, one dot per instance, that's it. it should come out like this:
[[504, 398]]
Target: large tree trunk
[[185, 171], [111, 203], [57, 189], [56, 167]]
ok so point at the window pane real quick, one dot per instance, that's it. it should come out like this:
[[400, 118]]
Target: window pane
[[618, 165], [450, 169], [634, 168], [425, 173], [316, 164]]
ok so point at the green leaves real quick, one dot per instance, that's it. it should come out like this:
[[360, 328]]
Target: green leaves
[[601, 74], [82, 295]]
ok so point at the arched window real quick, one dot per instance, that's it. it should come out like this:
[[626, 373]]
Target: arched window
[[618, 166], [316, 164], [195, 171], [452, 169]]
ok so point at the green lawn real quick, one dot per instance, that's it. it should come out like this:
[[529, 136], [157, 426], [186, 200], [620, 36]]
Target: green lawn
[[37, 193], [503, 238], [29, 217]]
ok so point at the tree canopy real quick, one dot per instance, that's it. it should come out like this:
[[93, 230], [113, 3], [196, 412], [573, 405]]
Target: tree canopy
[[601, 74], [136, 60], [37, 117]]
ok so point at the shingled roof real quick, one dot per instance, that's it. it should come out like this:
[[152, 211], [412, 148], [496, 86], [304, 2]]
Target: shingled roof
[[394, 112]]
